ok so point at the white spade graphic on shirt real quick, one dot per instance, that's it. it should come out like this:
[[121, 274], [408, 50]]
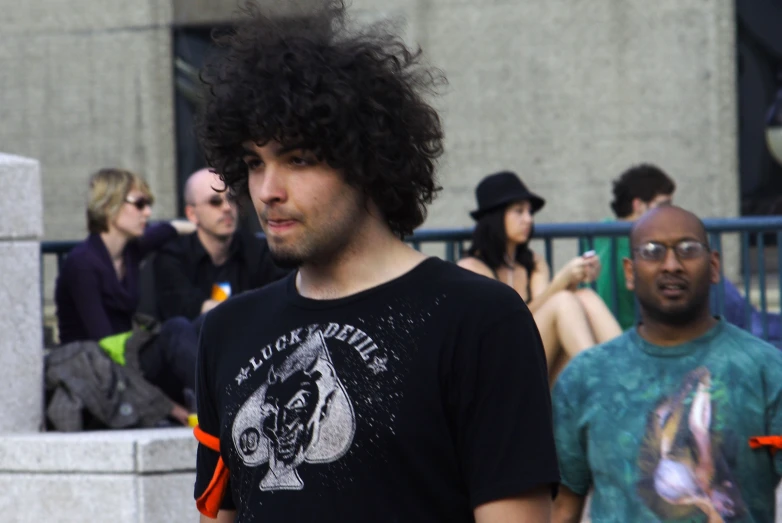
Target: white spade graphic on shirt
[[301, 413]]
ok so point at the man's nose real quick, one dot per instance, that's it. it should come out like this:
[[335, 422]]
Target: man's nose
[[272, 186], [671, 262]]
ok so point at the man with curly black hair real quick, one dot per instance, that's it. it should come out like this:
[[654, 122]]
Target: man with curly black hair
[[374, 383]]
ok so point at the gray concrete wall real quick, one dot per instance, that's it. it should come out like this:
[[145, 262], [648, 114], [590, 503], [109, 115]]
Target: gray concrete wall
[[566, 93], [569, 94], [88, 84]]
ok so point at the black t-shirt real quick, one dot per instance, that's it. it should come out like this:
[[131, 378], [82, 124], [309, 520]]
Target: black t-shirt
[[185, 273], [414, 401]]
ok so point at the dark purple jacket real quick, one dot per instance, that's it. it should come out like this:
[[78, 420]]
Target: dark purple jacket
[[91, 301]]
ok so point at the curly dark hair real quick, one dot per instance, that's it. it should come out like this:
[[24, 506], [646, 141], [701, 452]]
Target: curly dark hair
[[357, 99], [644, 181]]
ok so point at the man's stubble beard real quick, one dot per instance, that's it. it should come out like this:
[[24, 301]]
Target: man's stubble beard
[[681, 317], [317, 248]]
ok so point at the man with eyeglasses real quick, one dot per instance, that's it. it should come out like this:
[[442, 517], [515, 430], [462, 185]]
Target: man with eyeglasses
[[680, 417], [196, 272]]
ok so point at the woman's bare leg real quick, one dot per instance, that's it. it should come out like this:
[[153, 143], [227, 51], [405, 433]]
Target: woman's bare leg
[[564, 329], [602, 322]]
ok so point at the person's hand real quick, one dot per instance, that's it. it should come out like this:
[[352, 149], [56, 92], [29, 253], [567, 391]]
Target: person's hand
[[179, 413], [574, 272], [183, 226], [593, 266], [208, 305]]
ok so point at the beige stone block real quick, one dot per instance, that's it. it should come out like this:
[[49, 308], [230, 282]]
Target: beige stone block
[[21, 354], [68, 498], [166, 450], [779, 503], [76, 452], [133, 476], [20, 199], [118, 451], [167, 498]]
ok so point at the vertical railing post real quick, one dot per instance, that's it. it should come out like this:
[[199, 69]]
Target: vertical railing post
[[716, 244], [450, 251], [549, 254], [761, 255], [747, 270], [612, 264], [590, 246]]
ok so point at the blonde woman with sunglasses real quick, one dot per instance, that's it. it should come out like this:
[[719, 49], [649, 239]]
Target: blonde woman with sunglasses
[[97, 290]]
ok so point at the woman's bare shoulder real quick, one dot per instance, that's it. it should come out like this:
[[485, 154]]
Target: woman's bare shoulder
[[473, 264]]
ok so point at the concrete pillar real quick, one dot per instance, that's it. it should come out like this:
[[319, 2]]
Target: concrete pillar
[[21, 343]]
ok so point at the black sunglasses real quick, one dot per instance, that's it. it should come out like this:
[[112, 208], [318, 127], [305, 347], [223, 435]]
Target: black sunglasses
[[140, 203], [216, 200]]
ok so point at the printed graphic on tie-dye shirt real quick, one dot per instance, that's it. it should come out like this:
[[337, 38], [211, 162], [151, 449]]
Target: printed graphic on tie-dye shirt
[[686, 455]]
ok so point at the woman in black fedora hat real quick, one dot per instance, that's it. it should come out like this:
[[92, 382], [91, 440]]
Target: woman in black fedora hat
[[569, 319]]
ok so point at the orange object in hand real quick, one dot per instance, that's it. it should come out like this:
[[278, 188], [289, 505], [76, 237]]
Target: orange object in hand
[[221, 291]]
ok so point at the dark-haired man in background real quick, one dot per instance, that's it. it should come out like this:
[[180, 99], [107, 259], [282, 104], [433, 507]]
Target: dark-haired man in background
[[636, 191], [642, 188]]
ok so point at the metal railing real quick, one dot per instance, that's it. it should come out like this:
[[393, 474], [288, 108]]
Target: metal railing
[[455, 241]]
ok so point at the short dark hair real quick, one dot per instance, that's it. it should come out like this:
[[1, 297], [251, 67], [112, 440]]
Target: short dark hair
[[489, 240], [357, 99], [644, 181]]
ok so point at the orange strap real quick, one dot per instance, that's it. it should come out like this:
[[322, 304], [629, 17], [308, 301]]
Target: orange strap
[[209, 502], [773, 442]]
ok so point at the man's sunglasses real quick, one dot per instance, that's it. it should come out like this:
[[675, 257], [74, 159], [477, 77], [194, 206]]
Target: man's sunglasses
[[217, 201], [140, 203], [684, 250]]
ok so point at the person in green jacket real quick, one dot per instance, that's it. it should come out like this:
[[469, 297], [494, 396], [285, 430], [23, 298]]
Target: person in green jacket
[[637, 190]]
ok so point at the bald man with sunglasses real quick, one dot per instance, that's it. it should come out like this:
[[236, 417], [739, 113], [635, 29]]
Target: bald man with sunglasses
[[194, 273], [679, 418]]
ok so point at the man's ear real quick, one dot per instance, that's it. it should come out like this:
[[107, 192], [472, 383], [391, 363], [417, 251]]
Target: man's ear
[[639, 207], [190, 214], [714, 266], [627, 265]]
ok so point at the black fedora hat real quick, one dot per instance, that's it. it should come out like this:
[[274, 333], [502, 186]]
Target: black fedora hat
[[500, 189]]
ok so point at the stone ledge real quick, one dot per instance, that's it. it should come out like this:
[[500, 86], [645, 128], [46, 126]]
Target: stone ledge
[[117, 452], [115, 498]]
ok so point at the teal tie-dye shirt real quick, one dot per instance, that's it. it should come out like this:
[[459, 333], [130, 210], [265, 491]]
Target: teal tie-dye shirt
[[661, 433]]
